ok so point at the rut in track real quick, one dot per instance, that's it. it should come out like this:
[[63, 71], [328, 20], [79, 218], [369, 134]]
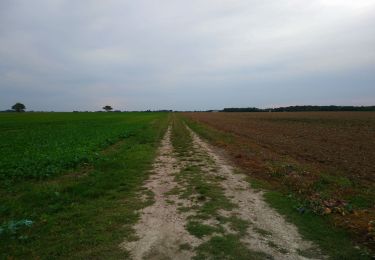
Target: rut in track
[[200, 201], [161, 230]]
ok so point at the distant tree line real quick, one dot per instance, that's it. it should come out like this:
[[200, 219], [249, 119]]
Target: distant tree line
[[244, 109], [19, 107], [302, 109]]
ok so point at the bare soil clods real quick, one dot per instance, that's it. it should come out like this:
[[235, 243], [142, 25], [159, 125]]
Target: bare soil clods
[[324, 159], [204, 209]]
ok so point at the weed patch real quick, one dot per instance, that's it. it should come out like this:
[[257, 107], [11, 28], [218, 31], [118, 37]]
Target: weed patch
[[200, 230], [227, 247]]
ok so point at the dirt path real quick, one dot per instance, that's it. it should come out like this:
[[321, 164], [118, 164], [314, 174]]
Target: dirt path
[[161, 230], [203, 208]]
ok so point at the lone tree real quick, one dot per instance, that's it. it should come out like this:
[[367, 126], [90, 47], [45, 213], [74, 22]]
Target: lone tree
[[19, 107], [107, 108]]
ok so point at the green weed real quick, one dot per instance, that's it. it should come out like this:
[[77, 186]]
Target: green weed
[[227, 247], [200, 230]]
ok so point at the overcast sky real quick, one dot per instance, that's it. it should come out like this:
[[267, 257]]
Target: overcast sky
[[68, 55]]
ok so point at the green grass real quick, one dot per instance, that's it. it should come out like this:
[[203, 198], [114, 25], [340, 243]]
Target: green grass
[[194, 179], [88, 212], [200, 230], [227, 247], [181, 139], [207, 189], [236, 224]]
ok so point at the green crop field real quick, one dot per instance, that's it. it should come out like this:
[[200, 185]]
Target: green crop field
[[42, 144], [65, 177]]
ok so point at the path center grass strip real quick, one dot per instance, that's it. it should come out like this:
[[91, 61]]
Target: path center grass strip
[[199, 185], [88, 212]]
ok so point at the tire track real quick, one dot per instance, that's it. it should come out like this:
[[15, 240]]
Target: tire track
[[161, 229], [183, 221]]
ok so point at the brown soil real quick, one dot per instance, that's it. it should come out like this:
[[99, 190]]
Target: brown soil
[[324, 158], [341, 142]]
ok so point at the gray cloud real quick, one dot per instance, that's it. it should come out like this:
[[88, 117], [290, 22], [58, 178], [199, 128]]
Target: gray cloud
[[65, 55]]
